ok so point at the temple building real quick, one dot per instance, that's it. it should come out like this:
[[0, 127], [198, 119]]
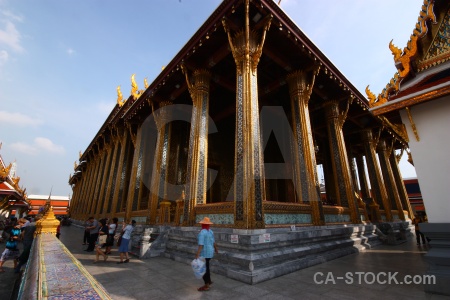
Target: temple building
[[419, 95], [234, 128], [60, 204], [13, 198]]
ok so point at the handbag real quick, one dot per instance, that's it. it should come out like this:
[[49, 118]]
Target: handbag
[[199, 267], [102, 239]]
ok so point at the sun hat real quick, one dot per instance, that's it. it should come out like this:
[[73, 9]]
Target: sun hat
[[206, 220]]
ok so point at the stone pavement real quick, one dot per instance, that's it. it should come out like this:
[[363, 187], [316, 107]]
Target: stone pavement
[[162, 278]]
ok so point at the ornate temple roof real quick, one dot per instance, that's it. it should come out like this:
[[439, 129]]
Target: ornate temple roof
[[286, 49], [423, 65]]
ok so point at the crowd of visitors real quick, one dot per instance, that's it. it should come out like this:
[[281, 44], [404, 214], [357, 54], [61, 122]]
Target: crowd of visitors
[[103, 234]]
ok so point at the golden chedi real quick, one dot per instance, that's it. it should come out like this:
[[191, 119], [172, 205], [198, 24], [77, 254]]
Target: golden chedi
[[48, 224]]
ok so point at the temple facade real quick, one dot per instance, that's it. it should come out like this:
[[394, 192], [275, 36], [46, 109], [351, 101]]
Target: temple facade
[[419, 95], [235, 127]]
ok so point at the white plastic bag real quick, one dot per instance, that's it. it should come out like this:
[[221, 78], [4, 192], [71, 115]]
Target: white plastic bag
[[199, 267]]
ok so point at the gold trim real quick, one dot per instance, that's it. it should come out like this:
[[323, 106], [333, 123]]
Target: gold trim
[[413, 125], [412, 101], [399, 129], [410, 159]]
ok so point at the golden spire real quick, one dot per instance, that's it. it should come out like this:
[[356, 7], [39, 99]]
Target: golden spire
[[119, 98], [80, 154], [48, 224], [134, 88], [145, 83]]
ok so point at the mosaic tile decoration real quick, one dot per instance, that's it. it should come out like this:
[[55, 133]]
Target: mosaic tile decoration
[[60, 274], [332, 218], [273, 219]]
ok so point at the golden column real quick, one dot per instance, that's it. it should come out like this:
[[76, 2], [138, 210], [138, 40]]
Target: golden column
[[389, 180], [378, 190], [112, 175], [161, 160], [198, 143], [75, 196], [98, 181], [341, 168], [249, 189], [300, 88], [134, 185], [104, 180], [394, 159], [119, 171], [88, 170], [90, 192]]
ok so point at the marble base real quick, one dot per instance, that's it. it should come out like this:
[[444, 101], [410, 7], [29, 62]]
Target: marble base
[[438, 257], [253, 256]]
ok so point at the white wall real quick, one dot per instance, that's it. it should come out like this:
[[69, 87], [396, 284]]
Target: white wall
[[431, 155]]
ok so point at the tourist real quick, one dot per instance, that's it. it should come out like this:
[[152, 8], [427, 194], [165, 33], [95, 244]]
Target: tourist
[[58, 230], [27, 237], [206, 248], [112, 227], [93, 228], [11, 251], [98, 247], [126, 236], [86, 232], [419, 234]]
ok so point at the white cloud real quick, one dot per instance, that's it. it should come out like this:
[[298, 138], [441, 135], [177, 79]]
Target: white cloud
[[40, 144], [18, 118], [11, 16], [11, 37], [24, 148], [46, 144], [3, 57], [70, 51]]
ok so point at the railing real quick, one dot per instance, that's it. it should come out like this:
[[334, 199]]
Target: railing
[[53, 272]]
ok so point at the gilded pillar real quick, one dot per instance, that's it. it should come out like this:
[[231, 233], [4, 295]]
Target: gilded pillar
[[119, 174], [389, 180], [98, 182], [249, 190], [104, 180], [110, 178], [300, 88], [84, 198], [197, 164], [379, 196], [134, 185], [341, 168], [161, 160], [76, 197], [92, 183], [394, 159]]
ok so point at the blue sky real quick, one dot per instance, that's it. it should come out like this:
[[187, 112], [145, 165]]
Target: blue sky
[[61, 61]]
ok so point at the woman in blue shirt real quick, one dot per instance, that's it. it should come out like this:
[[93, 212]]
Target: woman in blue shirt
[[206, 248], [126, 236]]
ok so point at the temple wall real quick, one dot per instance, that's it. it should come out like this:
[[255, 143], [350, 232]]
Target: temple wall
[[430, 154]]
